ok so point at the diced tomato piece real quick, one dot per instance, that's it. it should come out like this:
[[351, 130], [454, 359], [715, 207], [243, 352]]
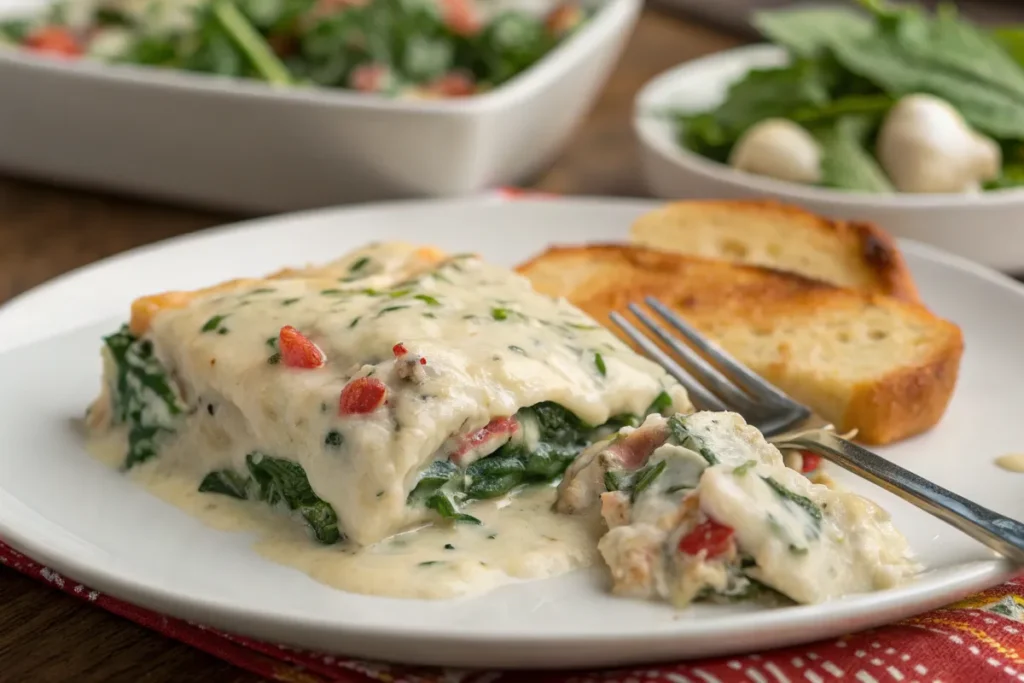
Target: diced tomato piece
[[454, 84], [370, 78], [423, 361], [811, 461], [54, 40], [399, 350], [297, 351], [710, 536], [362, 395], [563, 19], [461, 17], [498, 428]]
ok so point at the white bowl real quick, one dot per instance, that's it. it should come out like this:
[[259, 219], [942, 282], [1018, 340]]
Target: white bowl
[[242, 145], [985, 227]]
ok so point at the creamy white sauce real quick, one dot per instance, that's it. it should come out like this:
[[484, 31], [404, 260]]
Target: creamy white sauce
[[1011, 462], [492, 346], [521, 538]]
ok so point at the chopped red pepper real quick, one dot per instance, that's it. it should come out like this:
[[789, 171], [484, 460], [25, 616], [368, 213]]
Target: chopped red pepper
[[498, 428], [423, 361], [811, 461], [370, 78], [297, 351], [362, 395], [461, 17], [710, 536], [454, 84], [399, 350], [563, 19], [54, 40]]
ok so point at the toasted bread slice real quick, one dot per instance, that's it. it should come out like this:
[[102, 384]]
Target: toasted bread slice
[[863, 361], [765, 233]]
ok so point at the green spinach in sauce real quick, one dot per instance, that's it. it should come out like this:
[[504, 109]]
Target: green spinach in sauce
[[561, 436], [276, 481], [142, 397]]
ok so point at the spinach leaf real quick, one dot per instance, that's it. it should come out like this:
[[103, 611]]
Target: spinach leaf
[[846, 163], [547, 462], [617, 422], [226, 482], [808, 506], [900, 71], [636, 482], [646, 477], [1012, 175], [957, 45], [276, 481], [443, 505], [868, 107], [283, 482], [142, 397], [761, 94], [808, 32], [494, 476], [661, 403], [559, 426], [14, 30], [769, 93], [436, 475], [679, 435], [1011, 40]]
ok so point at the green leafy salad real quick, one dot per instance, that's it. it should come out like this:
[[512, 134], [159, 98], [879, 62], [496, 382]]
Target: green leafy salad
[[415, 48], [894, 99]]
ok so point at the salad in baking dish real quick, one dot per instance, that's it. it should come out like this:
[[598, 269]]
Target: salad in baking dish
[[409, 48]]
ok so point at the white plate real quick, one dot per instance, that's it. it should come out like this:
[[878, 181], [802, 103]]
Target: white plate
[[245, 146], [63, 508], [984, 227]]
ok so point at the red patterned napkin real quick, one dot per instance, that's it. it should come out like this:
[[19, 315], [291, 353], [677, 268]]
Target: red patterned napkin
[[978, 640]]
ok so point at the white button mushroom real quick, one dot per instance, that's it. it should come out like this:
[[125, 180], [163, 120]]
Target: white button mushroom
[[779, 149], [924, 145]]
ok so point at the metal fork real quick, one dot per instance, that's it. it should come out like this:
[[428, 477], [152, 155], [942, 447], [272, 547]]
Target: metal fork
[[791, 426]]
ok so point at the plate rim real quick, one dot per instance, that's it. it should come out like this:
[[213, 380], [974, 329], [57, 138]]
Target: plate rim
[[959, 581]]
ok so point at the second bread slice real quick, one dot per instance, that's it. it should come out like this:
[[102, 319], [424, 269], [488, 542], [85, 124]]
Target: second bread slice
[[765, 233]]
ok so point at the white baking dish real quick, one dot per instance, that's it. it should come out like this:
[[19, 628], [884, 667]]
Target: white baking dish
[[245, 146]]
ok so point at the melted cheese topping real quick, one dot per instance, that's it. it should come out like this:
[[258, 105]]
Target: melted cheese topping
[[491, 347]]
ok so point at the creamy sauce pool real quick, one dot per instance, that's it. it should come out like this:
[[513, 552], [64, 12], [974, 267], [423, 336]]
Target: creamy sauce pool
[[521, 538]]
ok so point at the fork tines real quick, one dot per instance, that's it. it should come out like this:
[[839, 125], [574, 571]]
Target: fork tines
[[732, 387]]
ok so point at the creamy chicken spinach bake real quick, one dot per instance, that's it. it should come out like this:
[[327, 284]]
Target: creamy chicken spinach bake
[[701, 506], [380, 392], [416, 412]]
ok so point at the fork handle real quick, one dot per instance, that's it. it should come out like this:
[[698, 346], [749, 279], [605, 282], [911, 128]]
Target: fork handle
[[1000, 533]]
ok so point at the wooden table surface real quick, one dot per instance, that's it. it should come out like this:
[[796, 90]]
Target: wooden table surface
[[45, 231]]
